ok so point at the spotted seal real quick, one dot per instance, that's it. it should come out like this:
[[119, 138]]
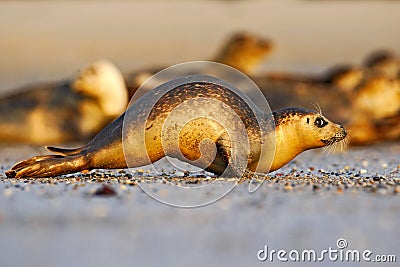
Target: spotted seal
[[242, 50], [67, 110], [384, 63], [295, 130]]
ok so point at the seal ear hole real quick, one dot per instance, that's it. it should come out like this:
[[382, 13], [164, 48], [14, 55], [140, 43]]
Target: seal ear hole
[[308, 120]]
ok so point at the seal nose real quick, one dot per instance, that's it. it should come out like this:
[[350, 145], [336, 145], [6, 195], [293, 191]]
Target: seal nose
[[344, 132]]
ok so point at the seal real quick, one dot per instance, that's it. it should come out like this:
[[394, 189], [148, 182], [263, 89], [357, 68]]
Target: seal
[[369, 112], [344, 77], [384, 63], [242, 50], [295, 131], [71, 110], [375, 111]]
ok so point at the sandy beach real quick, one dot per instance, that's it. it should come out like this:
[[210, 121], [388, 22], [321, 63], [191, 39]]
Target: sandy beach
[[104, 218], [309, 204]]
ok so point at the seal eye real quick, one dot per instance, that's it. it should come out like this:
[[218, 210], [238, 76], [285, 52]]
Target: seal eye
[[320, 122]]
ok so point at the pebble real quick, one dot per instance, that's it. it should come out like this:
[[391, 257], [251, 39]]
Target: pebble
[[397, 189], [8, 192], [364, 163], [288, 187], [363, 171], [179, 174], [105, 190], [123, 187]]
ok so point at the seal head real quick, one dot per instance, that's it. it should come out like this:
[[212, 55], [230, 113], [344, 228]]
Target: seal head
[[298, 130], [103, 81], [245, 51]]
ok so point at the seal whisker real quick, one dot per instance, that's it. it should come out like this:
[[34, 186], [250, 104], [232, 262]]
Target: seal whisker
[[317, 108], [337, 146], [328, 148]]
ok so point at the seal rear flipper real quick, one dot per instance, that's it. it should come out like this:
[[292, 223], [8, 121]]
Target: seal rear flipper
[[47, 166], [64, 151]]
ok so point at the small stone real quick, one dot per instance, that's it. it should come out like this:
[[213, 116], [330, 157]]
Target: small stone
[[288, 187], [179, 174], [105, 190], [123, 187], [384, 165], [8, 192], [363, 171], [376, 178], [397, 189], [364, 163]]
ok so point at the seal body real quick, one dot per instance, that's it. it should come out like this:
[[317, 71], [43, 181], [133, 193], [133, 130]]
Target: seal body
[[64, 111], [384, 63], [210, 140], [242, 50], [367, 100], [370, 112], [375, 112]]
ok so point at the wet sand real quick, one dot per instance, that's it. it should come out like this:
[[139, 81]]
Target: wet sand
[[309, 204]]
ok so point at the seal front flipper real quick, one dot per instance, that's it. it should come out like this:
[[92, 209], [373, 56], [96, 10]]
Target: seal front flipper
[[47, 166]]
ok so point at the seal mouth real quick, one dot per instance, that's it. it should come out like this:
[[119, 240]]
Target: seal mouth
[[332, 140], [337, 138]]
